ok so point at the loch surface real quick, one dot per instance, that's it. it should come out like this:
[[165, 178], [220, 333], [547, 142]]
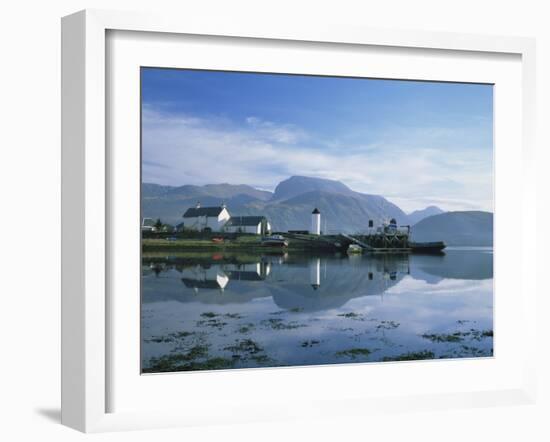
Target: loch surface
[[208, 311]]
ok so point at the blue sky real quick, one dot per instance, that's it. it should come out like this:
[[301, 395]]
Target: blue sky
[[416, 143]]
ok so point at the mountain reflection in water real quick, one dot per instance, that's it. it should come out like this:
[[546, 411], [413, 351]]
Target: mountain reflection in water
[[203, 311]]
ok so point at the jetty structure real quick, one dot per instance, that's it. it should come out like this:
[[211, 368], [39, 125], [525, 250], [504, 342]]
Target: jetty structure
[[389, 237], [386, 238]]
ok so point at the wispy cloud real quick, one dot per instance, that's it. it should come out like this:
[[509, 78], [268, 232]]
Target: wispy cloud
[[269, 131], [407, 167]]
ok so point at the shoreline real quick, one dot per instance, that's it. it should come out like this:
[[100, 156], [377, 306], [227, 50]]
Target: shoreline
[[243, 243], [297, 243]]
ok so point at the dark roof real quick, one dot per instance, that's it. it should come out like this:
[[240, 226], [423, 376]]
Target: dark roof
[[245, 220], [316, 210], [242, 275], [193, 212]]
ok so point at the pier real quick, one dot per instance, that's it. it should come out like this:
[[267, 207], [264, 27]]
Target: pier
[[391, 243], [358, 242]]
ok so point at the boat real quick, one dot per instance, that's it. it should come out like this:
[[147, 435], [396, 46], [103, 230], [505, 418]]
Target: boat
[[274, 241], [354, 249], [427, 247]]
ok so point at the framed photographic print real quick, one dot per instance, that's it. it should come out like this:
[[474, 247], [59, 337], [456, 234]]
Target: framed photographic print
[[321, 239], [252, 213]]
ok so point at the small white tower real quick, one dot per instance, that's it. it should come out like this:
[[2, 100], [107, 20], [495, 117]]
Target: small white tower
[[316, 222]]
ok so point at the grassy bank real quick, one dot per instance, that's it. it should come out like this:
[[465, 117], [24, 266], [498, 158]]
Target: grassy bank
[[198, 243], [251, 243]]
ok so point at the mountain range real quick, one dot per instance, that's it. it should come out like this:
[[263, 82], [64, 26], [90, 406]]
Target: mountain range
[[289, 207], [469, 228], [419, 215]]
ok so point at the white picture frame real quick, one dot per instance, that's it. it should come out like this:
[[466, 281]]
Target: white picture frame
[[86, 315]]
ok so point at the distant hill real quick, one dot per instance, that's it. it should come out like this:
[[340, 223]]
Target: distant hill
[[210, 190], [469, 228], [289, 207], [419, 215], [170, 202], [298, 185]]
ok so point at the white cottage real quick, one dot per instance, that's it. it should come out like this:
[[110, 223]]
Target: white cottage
[[206, 218], [259, 225]]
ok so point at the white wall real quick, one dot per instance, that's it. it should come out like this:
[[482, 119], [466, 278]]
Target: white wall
[[214, 223], [223, 217], [30, 182], [245, 229], [316, 223], [201, 222]]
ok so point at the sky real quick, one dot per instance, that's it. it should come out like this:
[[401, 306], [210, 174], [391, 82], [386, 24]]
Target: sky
[[415, 143]]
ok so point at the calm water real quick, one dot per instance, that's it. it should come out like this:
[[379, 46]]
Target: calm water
[[218, 311]]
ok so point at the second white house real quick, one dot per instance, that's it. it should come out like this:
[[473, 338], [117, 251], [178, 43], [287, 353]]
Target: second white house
[[258, 225]]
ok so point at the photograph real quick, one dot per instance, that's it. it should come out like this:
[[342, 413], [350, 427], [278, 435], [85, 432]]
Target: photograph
[[293, 220]]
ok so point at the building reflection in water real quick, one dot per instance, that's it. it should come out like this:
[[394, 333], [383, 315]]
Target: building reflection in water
[[217, 276], [315, 273], [294, 282]]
